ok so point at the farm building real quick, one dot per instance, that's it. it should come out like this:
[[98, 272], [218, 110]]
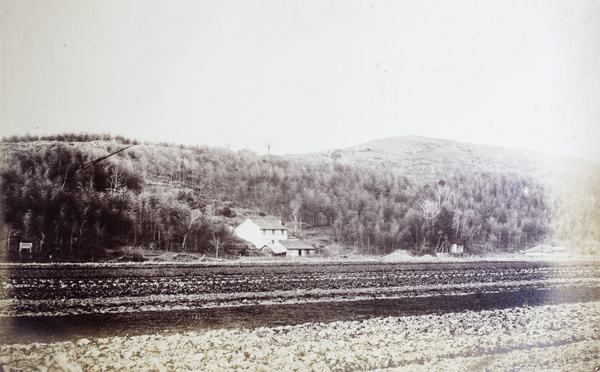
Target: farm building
[[457, 249], [298, 248], [236, 247], [261, 231], [271, 237], [289, 248], [275, 249]]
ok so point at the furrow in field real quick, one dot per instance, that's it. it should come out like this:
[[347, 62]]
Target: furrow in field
[[119, 304]]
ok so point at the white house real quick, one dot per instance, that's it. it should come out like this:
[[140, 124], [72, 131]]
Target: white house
[[271, 237], [261, 231]]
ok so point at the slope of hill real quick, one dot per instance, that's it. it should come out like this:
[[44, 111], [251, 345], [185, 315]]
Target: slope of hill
[[571, 186], [400, 193], [414, 154]]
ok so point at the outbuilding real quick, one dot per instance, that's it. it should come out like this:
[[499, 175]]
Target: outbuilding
[[275, 249], [298, 248]]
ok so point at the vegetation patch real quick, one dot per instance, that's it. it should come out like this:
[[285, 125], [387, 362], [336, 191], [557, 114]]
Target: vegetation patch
[[81, 198]]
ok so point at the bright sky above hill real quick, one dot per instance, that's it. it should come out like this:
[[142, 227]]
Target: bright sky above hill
[[306, 75]]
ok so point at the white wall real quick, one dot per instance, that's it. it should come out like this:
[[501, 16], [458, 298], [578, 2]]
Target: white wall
[[251, 232]]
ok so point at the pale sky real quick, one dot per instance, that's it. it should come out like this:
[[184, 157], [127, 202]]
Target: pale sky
[[305, 75]]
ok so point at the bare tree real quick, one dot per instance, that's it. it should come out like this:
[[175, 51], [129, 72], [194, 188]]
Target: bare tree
[[296, 205], [219, 236], [194, 216], [430, 209], [115, 183], [456, 222]]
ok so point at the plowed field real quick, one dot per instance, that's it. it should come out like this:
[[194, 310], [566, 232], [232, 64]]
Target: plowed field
[[46, 303], [333, 316]]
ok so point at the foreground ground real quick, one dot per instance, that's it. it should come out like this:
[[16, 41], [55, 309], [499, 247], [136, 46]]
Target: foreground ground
[[318, 316], [563, 337]]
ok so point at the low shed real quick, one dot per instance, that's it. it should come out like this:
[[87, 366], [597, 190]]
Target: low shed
[[298, 248], [237, 247], [275, 249]]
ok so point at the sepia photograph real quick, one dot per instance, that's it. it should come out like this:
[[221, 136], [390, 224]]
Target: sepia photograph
[[357, 185]]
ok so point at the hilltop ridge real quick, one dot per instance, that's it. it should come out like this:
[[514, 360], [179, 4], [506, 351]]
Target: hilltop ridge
[[412, 153]]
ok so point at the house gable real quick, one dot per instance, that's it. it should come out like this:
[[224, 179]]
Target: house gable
[[261, 231]]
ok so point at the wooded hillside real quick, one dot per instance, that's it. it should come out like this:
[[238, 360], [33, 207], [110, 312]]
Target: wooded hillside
[[186, 198]]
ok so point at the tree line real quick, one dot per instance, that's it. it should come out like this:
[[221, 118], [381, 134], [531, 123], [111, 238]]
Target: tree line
[[188, 198]]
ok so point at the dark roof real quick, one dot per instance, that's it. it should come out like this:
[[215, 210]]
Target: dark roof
[[237, 241], [268, 224], [276, 248], [296, 244]]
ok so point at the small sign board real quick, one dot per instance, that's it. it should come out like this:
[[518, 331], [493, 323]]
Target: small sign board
[[25, 250], [25, 245]]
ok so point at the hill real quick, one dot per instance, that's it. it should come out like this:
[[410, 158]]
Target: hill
[[415, 155], [570, 186], [410, 193]]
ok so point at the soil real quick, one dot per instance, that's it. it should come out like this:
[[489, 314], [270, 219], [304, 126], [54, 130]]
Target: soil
[[213, 317], [531, 338]]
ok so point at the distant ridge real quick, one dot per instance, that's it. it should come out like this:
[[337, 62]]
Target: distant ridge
[[440, 156], [390, 143]]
